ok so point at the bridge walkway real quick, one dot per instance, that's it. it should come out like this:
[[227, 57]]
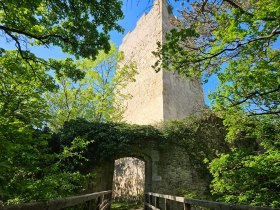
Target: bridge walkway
[[153, 201]]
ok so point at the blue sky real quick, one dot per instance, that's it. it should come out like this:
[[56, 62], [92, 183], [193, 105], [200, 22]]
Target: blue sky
[[133, 10]]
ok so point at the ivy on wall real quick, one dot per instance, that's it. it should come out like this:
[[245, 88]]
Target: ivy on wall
[[201, 136], [108, 140], [80, 145]]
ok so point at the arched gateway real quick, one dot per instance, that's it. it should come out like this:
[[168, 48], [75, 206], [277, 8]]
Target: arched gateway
[[168, 167], [166, 171]]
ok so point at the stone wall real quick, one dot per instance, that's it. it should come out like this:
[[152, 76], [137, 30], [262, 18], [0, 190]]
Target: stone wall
[[176, 174], [156, 96], [146, 105], [167, 170], [129, 179]]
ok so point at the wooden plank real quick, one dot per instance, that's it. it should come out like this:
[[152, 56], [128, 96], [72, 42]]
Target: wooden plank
[[151, 206], [187, 206], [98, 201], [73, 201], [106, 206], [28, 206], [104, 203], [210, 204], [169, 197], [57, 204], [156, 202]]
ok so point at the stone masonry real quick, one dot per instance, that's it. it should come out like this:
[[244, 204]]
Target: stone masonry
[[156, 96], [129, 179]]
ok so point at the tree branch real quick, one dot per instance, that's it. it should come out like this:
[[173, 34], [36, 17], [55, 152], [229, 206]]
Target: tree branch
[[235, 5], [273, 33], [264, 113], [256, 93], [232, 3], [33, 36]]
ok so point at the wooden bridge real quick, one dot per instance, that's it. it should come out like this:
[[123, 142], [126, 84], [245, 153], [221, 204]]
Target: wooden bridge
[[153, 201]]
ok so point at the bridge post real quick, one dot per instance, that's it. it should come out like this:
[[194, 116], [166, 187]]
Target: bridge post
[[187, 206], [157, 202], [166, 205], [146, 200], [98, 207]]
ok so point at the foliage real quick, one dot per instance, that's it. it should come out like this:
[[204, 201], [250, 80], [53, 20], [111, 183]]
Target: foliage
[[259, 175], [110, 140], [237, 41], [200, 136], [98, 96], [21, 109], [188, 194], [234, 41], [28, 170], [79, 28], [21, 92], [249, 173], [35, 173]]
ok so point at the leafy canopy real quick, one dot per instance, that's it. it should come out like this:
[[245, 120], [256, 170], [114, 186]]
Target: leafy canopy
[[238, 41], [233, 40], [241, 177], [28, 169], [79, 28], [98, 96]]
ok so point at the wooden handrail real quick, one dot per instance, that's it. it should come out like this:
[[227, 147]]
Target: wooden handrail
[[103, 202], [188, 203]]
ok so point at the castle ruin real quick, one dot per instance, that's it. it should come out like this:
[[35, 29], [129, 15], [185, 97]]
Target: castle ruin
[[156, 96]]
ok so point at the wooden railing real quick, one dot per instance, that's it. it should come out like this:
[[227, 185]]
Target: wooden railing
[[154, 201], [157, 201], [92, 201]]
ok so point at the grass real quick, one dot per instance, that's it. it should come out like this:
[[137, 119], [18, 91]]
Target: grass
[[126, 206]]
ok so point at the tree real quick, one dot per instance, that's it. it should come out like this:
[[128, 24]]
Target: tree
[[22, 106], [237, 41], [28, 168], [234, 41], [246, 178], [79, 28], [22, 109], [96, 97]]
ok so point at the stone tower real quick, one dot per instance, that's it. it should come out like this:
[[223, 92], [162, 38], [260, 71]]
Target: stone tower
[[156, 96]]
